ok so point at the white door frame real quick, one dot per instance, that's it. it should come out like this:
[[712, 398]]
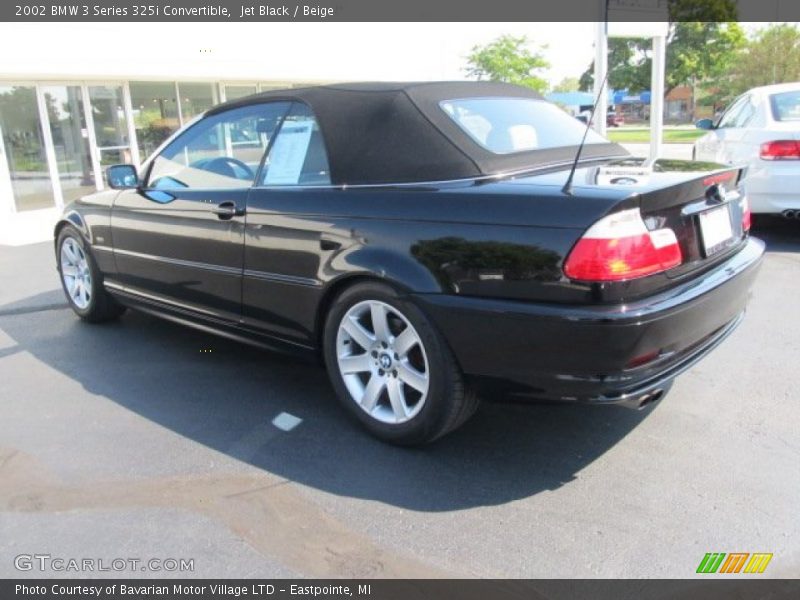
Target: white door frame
[[224, 85], [133, 142], [7, 204], [49, 148], [93, 151], [6, 189], [132, 139], [59, 193]]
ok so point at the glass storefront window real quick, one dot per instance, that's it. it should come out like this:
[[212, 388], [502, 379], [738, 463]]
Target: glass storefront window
[[221, 152], [196, 98], [266, 87], [23, 143], [97, 135], [70, 140], [110, 124], [234, 92], [155, 113]]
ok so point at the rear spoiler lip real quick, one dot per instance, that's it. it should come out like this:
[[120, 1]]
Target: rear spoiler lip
[[693, 191], [721, 175]]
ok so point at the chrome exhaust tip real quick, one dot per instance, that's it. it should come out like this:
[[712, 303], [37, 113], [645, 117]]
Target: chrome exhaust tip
[[650, 398], [790, 214]]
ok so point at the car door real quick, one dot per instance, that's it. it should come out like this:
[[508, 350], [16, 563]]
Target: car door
[[179, 238], [735, 148], [714, 146], [288, 236]]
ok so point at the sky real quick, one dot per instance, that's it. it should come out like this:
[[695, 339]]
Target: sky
[[282, 51], [314, 51], [569, 46]]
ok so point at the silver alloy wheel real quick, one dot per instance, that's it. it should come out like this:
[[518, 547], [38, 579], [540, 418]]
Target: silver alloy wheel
[[382, 361], [76, 273]]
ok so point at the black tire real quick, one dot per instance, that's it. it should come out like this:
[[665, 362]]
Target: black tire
[[101, 305], [448, 403]]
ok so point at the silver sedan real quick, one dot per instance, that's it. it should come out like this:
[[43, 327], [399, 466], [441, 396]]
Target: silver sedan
[[761, 128]]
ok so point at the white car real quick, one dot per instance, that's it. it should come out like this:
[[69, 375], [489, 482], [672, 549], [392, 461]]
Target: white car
[[761, 129]]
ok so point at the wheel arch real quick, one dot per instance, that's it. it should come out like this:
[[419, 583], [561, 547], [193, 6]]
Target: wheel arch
[[373, 265], [75, 219], [339, 285]]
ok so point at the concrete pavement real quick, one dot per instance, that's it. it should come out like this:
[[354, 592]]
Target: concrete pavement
[[143, 439]]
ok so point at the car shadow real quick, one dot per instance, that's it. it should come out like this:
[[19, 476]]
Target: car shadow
[[779, 233], [225, 396]]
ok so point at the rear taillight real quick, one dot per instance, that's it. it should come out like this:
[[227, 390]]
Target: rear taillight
[[620, 247], [747, 216], [780, 150], [717, 178]]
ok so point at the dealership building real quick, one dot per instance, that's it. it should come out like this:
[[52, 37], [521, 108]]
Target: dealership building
[[88, 95], [69, 109], [77, 97]]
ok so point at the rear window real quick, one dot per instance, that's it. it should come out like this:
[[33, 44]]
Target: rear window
[[786, 106], [508, 125]]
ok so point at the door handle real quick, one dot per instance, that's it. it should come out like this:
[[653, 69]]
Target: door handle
[[227, 210]]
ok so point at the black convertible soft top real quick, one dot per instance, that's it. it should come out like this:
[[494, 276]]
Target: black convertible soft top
[[378, 133]]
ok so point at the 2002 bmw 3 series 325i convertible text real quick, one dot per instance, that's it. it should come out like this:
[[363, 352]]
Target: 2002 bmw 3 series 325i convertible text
[[428, 242]]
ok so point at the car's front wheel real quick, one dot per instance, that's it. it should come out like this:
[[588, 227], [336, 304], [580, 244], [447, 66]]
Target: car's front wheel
[[391, 368], [82, 280]]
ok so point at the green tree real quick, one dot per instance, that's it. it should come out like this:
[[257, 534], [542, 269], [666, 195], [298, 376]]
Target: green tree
[[772, 56], [702, 10], [696, 51], [702, 41], [568, 84], [700, 51], [508, 59], [628, 64]]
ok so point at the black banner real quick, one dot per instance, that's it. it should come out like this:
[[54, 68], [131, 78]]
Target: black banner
[[423, 589], [399, 10]]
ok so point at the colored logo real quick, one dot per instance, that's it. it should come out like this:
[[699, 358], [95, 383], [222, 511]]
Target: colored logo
[[735, 562]]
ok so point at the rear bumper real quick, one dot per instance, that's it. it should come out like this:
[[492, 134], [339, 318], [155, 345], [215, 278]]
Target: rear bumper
[[589, 353], [772, 186]]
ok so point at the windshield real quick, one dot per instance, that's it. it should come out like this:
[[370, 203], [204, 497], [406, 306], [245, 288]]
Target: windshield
[[508, 125], [786, 106]]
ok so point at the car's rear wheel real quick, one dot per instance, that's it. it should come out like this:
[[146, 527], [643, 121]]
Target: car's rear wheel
[[82, 280], [391, 368]]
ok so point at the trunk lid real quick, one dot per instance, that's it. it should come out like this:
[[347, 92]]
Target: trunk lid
[[701, 202]]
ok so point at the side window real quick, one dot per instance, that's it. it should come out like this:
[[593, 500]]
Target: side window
[[222, 151], [298, 155], [746, 114], [731, 115]]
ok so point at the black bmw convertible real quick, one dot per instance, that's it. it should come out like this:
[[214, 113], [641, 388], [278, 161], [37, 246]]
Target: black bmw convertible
[[432, 242]]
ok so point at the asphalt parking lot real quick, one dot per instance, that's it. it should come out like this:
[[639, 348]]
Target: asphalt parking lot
[[141, 439]]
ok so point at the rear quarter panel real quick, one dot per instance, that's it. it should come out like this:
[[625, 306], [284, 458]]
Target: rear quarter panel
[[495, 240], [457, 240]]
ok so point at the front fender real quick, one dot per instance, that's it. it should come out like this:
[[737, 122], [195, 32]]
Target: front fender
[[91, 216], [74, 218]]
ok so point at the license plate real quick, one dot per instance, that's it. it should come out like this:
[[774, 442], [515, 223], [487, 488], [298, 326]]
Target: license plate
[[716, 229]]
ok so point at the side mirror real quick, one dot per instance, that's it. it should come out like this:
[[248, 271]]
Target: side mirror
[[704, 124], [122, 177]]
